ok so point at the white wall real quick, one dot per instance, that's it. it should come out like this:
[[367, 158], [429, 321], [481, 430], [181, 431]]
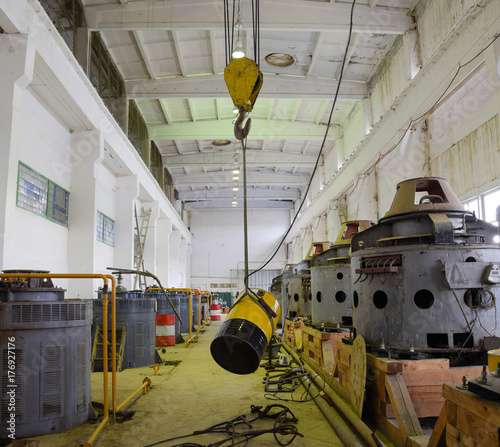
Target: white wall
[[33, 241], [52, 119], [218, 243]]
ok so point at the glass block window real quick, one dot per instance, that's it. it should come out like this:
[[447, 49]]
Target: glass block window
[[32, 189], [41, 196], [58, 204], [105, 229]]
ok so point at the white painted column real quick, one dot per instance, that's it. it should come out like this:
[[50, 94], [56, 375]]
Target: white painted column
[[173, 262], [183, 248], [87, 148], [189, 253], [17, 57], [163, 230], [127, 191], [149, 254]]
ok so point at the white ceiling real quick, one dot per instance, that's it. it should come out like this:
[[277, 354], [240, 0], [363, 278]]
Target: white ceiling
[[171, 55]]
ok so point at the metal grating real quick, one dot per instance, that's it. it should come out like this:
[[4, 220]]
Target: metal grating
[[51, 399], [39, 313], [82, 363]]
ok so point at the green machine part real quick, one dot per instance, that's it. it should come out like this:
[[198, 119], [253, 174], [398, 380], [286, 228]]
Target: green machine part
[[224, 299]]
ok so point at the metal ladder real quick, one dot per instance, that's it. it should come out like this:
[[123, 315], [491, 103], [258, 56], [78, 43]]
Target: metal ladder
[[142, 232], [98, 342]]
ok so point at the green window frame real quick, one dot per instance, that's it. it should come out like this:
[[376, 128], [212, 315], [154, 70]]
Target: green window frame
[[105, 227], [42, 196]]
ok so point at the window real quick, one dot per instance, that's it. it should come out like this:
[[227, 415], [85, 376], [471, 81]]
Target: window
[[105, 229], [485, 206], [41, 196]]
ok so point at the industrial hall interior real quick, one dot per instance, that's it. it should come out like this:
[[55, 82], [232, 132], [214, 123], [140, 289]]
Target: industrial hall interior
[[249, 223]]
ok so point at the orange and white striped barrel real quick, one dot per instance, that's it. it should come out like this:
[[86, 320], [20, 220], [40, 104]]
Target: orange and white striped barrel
[[165, 330], [215, 312]]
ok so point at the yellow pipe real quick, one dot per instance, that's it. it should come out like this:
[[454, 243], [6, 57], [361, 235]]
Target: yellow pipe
[[105, 279], [91, 440], [191, 338], [190, 313], [145, 386], [199, 311]]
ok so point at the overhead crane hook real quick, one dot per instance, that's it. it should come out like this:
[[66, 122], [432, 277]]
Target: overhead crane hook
[[241, 132]]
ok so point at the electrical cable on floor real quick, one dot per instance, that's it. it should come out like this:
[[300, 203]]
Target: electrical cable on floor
[[282, 427], [303, 397]]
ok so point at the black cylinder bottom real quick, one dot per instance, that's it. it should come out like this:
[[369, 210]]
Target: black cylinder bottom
[[238, 346]]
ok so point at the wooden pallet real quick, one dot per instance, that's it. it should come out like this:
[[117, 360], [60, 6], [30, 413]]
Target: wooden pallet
[[398, 393], [319, 349], [424, 381], [466, 420]]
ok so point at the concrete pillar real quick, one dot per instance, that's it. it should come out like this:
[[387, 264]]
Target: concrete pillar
[[183, 248], [149, 255], [87, 149], [173, 262], [17, 58], [127, 191], [189, 252], [163, 230]]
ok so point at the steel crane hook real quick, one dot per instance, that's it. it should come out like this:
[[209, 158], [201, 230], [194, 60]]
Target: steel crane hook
[[241, 132]]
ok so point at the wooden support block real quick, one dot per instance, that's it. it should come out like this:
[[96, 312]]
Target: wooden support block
[[451, 413], [390, 430], [426, 364], [453, 375], [417, 441], [478, 405], [456, 437], [438, 436], [402, 405], [386, 365], [328, 355], [477, 428]]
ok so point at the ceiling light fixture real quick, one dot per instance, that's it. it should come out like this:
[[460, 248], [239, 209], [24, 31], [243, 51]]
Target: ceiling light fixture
[[238, 50], [239, 28]]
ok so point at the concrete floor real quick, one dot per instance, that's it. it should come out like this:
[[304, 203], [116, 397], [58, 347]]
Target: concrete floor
[[192, 396]]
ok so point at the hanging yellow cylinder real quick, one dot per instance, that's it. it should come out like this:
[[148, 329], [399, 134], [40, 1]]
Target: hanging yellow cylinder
[[246, 332]]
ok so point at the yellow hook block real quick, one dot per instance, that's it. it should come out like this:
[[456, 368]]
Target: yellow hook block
[[243, 80]]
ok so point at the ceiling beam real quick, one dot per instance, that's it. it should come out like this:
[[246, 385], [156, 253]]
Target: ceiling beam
[[221, 178], [252, 204], [274, 87], [143, 54], [253, 158], [274, 15], [227, 193], [222, 129]]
